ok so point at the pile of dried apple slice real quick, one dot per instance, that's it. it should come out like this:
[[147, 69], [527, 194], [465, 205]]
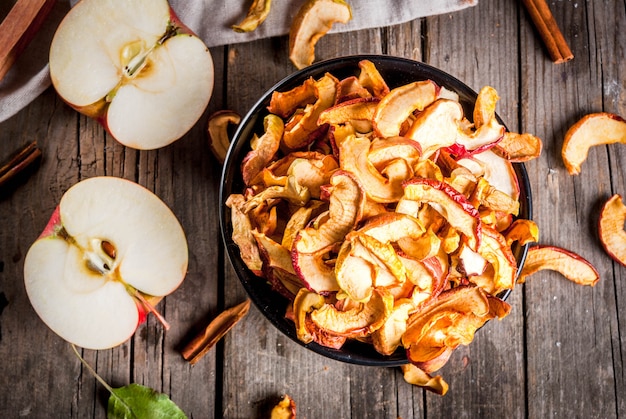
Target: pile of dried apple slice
[[384, 214]]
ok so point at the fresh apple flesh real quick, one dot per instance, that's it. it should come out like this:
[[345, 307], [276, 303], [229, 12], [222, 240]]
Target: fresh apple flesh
[[108, 240], [134, 67]]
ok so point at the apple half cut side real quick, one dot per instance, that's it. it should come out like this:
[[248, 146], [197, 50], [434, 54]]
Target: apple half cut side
[[111, 249], [134, 67]]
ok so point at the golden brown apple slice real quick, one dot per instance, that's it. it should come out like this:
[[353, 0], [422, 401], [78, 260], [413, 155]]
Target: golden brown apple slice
[[436, 127], [416, 376], [371, 79], [522, 231], [494, 249], [353, 111], [286, 408], [305, 302], [356, 322], [263, 149], [485, 106], [611, 228], [394, 108], [257, 13], [298, 132], [284, 104], [242, 234], [591, 130], [389, 337], [567, 263], [313, 20], [518, 147], [219, 140], [455, 207]]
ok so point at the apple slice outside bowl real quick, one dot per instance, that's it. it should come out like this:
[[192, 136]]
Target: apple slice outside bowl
[[396, 72]]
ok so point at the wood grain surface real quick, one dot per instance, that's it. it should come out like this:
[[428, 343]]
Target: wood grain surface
[[561, 353]]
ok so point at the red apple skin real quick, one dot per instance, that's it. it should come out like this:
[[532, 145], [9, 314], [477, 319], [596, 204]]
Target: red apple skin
[[52, 226]]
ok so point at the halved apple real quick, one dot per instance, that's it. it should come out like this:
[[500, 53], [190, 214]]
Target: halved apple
[[134, 67], [109, 248]]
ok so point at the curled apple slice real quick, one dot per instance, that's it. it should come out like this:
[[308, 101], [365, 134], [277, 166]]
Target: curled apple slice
[[284, 104], [436, 127], [591, 130], [523, 232], [112, 246], [389, 337], [611, 228], [263, 149], [359, 321], [313, 20], [257, 13], [371, 79], [395, 107], [485, 106], [351, 111], [242, 234], [219, 140], [416, 376], [455, 207], [567, 263], [305, 302], [518, 147]]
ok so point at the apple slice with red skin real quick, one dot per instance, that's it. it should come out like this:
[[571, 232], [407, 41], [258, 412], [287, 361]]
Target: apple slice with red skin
[[611, 228], [591, 130], [569, 264], [134, 67], [110, 246], [437, 126], [395, 107], [452, 205]]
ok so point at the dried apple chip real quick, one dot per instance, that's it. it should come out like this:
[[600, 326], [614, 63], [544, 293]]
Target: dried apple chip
[[257, 13], [314, 19], [263, 149], [242, 234], [523, 232], [518, 147], [414, 375], [371, 79], [285, 409], [591, 130], [219, 141], [567, 263], [395, 107], [611, 228]]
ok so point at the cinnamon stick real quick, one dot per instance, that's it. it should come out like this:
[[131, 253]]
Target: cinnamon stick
[[548, 30], [216, 329], [19, 28], [19, 161]]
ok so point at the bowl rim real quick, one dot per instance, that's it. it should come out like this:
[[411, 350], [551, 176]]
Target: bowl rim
[[353, 352]]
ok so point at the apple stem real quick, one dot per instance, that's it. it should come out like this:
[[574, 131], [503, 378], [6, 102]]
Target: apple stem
[[151, 309]]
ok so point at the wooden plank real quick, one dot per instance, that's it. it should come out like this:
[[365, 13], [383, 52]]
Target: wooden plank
[[568, 325], [486, 377]]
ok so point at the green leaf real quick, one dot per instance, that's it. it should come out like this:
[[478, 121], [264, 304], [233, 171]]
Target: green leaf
[[135, 401]]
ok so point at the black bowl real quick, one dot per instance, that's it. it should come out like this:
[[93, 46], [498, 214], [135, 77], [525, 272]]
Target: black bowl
[[396, 72]]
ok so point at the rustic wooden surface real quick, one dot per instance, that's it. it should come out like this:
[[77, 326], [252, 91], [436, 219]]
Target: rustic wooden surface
[[560, 353]]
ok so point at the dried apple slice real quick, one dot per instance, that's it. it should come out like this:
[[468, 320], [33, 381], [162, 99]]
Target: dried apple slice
[[567, 263], [437, 126], [285, 409], [494, 249], [305, 302], [485, 106], [455, 207], [611, 228], [263, 149], [414, 375], [284, 104], [242, 234], [313, 20], [350, 111], [389, 337], [219, 141], [395, 107], [356, 322], [518, 148], [371, 79], [591, 130], [522, 231], [257, 13], [299, 133]]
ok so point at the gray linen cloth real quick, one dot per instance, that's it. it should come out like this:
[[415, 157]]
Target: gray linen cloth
[[212, 21]]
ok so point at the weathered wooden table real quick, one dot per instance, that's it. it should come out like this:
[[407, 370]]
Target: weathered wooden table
[[560, 353]]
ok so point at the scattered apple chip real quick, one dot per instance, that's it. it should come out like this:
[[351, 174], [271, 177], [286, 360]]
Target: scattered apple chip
[[285, 409], [314, 19], [569, 264], [219, 140], [591, 130], [259, 9], [416, 376], [611, 228]]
